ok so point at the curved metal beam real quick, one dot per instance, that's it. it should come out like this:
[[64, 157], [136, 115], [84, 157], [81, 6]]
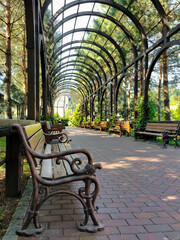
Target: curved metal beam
[[91, 30], [86, 48], [62, 80], [75, 87], [80, 77], [93, 43], [81, 55], [72, 70], [70, 89], [109, 3], [153, 62], [77, 61], [92, 13], [78, 65]]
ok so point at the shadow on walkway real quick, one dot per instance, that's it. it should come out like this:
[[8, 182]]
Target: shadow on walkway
[[139, 197]]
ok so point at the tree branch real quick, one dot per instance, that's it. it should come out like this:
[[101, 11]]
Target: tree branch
[[2, 35], [2, 50], [2, 20], [3, 4]]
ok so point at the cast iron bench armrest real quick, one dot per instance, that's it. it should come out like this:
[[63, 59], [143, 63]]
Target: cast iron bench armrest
[[62, 137]]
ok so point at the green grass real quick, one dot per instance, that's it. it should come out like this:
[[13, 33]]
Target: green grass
[[2, 144]]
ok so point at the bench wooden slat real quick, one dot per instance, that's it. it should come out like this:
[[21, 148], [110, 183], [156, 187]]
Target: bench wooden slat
[[37, 139], [46, 167], [68, 146], [31, 129], [59, 169], [66, 164]]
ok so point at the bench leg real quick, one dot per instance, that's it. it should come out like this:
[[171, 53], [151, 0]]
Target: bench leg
[[31, 214], [90, 203]]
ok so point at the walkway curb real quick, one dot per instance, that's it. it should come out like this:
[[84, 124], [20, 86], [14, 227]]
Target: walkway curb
[[19, 213]]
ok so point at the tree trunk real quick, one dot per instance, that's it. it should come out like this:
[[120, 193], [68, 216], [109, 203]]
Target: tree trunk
[[7, 97], [165, 85], [23, 110], [125, 101], [105, 104], [159, 90]]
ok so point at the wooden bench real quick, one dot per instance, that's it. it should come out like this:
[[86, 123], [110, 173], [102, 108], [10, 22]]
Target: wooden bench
[[167, 130], [101, 126], [57, 164], [52, 129], [87, 125], [121, 127], [92, 124]]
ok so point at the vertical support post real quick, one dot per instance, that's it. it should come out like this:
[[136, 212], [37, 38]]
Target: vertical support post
[[31, 54], [37, 40], [13, 166]]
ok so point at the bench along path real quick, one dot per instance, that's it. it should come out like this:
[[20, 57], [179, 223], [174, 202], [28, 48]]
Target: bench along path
[[139, 191], [55, 165]]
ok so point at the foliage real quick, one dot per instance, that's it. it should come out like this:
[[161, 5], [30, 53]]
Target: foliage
[[97, 118], [2, 144], [112, 119], [76, 118], [142, 119], [64, 121]]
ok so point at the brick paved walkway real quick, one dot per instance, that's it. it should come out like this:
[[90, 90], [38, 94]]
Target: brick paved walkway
[[139, 197]]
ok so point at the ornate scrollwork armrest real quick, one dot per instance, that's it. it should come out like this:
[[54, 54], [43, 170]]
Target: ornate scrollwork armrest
[[62, 137], [88, 169]]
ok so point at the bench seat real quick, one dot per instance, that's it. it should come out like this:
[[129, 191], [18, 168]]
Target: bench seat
[[56, 163]]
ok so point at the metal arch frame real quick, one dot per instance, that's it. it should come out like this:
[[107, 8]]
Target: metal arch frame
[[92, 13], [81, 77], [109, 3], [93, 43], [74, 91], [73, 80], [81, 55], [77, 65], [73, 70], [75, 61], [70, 74], [96, 31], [87, 48], [152, 64], [75, 87]]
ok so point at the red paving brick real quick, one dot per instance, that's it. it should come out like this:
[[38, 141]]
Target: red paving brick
[[139, 197]]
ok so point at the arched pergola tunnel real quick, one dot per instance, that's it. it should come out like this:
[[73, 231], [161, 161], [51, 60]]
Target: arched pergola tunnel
[[91, 49]]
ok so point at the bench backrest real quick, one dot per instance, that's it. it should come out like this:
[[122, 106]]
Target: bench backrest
[[92, 124], [35, 138], [103, 124], [126, 125], [47, 126], [160, 127], [87, 123]]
